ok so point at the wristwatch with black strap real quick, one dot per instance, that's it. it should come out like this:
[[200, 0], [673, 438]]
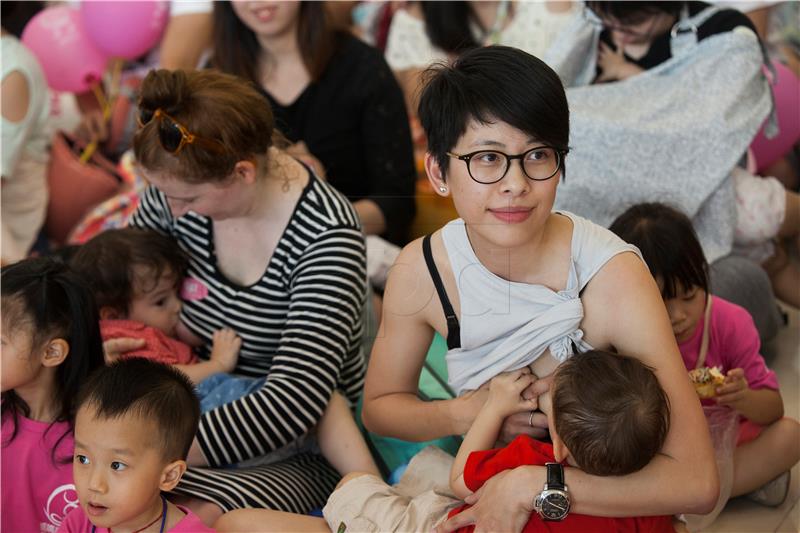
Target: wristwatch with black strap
[[553, 502]]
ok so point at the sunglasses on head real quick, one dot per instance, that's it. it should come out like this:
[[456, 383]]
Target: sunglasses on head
[[173, 135]]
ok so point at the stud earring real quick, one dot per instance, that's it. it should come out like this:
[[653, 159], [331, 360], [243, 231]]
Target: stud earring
[[442, 189]]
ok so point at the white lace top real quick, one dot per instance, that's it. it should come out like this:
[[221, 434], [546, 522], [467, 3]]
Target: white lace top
[[532, 29]]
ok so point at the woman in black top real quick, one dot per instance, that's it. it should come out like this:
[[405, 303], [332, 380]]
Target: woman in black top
[[636, 35], [333, 96]]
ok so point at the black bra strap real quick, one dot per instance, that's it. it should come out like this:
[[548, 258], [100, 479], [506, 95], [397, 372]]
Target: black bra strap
[[453, 328]]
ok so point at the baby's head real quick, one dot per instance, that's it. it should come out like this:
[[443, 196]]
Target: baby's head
[[609, 414], [135, 423], [672, 251], [135, 275]]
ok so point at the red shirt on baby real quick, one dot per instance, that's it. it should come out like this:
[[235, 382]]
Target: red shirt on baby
[[159, 347], [483, 465]]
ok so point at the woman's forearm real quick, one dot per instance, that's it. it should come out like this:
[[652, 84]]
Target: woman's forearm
[[404, 416], [371, 216], [661, 488]]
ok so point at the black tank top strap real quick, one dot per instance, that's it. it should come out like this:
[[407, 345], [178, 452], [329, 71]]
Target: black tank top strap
[[453, 328]]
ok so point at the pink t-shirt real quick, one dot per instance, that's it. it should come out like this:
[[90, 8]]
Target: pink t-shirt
[[159, 347], [78, 522], [733, 343], [37, 493]]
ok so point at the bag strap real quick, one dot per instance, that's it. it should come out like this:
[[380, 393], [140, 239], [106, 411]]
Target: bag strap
[[683, 35], [701, 359]]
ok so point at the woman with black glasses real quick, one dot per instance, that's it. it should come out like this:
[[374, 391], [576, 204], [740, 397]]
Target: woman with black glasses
[[275, 254], [513, 283]]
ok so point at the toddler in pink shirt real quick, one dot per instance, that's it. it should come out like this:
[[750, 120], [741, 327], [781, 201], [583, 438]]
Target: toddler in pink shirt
[[712, 332]]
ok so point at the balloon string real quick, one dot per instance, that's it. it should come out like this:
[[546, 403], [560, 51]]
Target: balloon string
[[101, 99], [90, 149], [106, 104], [88, 152], [116, 84]]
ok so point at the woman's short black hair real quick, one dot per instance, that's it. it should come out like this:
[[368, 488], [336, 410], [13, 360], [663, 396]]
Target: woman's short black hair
[[668, 244], [494, 83], [633, 12]]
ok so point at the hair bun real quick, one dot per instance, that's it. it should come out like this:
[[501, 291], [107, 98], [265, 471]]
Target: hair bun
[[165, 89]]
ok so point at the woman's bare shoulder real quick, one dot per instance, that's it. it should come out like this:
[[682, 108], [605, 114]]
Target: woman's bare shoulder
[[409, 286]]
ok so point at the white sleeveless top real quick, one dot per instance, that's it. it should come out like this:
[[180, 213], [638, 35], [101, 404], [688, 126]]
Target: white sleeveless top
[[506, 325], [25, 153]]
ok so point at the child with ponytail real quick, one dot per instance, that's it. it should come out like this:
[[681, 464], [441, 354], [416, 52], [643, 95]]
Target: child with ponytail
[[50, 345], [713, 333]]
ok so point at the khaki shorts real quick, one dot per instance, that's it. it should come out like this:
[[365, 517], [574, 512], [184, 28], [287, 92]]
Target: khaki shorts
[[418, 502]]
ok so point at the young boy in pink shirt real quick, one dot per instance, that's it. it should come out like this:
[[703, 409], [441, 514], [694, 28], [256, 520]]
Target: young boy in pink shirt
[[135, 423]]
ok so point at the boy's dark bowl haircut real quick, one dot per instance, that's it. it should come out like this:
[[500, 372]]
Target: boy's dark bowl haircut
[[151, 391]]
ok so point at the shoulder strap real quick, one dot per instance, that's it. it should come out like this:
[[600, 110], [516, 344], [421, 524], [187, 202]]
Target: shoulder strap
[[453, 328], [701, 359]]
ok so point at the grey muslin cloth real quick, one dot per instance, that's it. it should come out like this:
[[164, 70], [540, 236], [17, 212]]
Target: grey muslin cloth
[[670, 134]]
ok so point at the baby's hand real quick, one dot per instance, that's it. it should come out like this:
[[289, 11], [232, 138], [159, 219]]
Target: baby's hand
[[505, 392], [613, 65], [225, 349], [734, 389]]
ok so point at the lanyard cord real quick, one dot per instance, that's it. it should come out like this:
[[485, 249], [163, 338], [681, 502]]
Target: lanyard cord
[[162, 516]]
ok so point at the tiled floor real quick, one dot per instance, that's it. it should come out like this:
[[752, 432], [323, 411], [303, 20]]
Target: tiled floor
[[742, 516]]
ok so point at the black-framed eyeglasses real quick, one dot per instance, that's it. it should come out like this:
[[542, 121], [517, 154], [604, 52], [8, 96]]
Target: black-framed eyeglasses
[[173, 135], [490, 166], [606, 24]]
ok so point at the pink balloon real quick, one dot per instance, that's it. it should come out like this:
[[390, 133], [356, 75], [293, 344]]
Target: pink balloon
[[786, 90], [68, 58], [124, 29]]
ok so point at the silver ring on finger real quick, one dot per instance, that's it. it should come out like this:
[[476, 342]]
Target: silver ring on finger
[[530, 419]]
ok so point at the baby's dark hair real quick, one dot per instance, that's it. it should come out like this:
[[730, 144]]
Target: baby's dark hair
[[610, 412], [151, 391], [109, 262], [669, 246], [44, 298], [489, 84]]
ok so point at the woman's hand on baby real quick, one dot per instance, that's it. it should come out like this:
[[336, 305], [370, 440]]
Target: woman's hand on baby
[[734, 390], [113, 349], [505, 393], [613, 65], [530, 422], [225, 349], [502, 504]]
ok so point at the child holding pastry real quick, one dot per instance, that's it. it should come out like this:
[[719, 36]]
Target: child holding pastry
[[720, 347]]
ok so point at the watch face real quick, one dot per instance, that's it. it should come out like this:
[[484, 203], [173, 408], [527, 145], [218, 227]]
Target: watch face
[[555, 505]]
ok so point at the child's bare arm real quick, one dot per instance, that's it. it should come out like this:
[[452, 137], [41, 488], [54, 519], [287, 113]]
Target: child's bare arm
[[224, 355], [341, 441], [505, 398], [762, 406]]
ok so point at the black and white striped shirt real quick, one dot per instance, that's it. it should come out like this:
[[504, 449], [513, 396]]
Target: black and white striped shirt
[[300, 324]]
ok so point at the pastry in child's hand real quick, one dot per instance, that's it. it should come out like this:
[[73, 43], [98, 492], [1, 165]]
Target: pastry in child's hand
[[706, 380]]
